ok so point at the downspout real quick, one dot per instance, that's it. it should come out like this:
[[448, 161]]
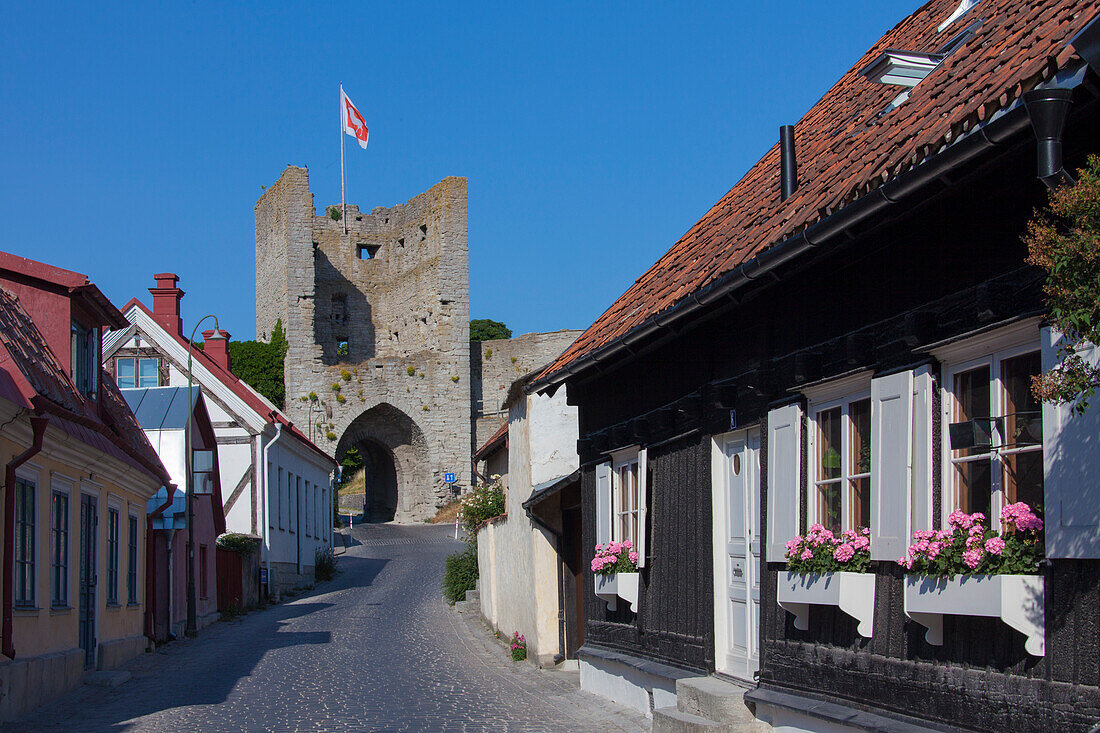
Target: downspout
[[1047, 109], [38, 427], [267, 501], [561, 581]]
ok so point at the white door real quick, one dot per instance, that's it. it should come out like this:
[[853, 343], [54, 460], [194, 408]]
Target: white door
[[737, 555]]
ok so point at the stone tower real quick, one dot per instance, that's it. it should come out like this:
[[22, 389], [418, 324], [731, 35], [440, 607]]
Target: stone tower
[[377, 319]]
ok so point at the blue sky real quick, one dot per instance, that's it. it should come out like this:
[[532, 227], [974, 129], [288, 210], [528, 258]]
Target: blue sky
[[136, 137]]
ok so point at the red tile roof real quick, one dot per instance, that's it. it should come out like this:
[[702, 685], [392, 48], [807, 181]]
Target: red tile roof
[[34, 379], [252, 398], [845, 149], [497, 440]]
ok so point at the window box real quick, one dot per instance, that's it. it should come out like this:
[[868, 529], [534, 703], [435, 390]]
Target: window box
[[852, 593], [1018, 600], [612, 587]]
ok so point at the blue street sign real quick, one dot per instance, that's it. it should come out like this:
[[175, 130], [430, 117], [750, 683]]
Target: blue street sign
[[448, 478]]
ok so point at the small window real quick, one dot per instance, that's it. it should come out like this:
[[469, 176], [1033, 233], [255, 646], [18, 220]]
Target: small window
[[25, 577], [625, 505], [342, 349], [902, 68], [112, 556], [840, 441], [85, 359], [132, 562], [339, 310], [995, 434], [137, 372], [367, 251], [59, 549]]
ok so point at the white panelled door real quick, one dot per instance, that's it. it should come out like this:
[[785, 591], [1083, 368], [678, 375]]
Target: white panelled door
[[737, 555]]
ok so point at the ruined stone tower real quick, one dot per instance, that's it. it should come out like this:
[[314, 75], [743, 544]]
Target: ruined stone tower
[[377, 319]]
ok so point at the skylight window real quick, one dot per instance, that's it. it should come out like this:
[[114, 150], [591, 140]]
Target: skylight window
[[903, 68], [963, 9]]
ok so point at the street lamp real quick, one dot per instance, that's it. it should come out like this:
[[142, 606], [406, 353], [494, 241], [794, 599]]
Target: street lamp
[[192, 610]]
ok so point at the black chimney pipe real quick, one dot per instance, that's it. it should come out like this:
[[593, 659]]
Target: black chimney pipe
[[788, 166], [1047, 109]]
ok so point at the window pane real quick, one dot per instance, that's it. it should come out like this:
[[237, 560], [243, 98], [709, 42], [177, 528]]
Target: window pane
[[1023, 478], [1023, 416], [860, 502], [126, 377], [972, 401], [828, 448], [860, 456], [828, 505], [149, 375], [974, 488]]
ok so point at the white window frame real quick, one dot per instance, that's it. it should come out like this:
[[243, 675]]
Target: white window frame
[[841, 392], [611, 512], [985, 350], [64, 487]]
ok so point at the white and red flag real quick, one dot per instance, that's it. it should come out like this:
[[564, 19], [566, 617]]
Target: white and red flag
[[353, 122]]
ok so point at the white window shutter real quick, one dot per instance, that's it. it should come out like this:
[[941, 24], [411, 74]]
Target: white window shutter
[[1071, 465], [784, 477], [891, 459], [643, 476], [921, 517], [603, 503]]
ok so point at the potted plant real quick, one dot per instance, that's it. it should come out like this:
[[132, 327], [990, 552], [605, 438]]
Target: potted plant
[[971, 570], [827, 569], [616, 568]]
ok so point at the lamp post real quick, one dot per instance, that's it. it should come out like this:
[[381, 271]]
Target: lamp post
[[192, 610]]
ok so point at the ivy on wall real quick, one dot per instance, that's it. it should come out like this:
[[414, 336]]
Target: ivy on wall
[[260, 365]]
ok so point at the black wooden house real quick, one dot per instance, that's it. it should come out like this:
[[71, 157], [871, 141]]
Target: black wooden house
[[863, 285]]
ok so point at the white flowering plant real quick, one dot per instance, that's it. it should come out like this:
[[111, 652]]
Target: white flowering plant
[[823, 551]]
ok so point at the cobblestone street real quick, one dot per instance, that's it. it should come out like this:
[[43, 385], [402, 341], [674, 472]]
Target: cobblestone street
[[374, 649]]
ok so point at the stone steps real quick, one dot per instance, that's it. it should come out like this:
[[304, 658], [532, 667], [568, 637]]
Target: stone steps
[[708, 704]]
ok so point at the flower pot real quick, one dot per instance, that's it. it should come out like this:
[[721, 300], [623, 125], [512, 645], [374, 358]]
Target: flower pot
[[852, 593], [618, 585], [1018, 600]]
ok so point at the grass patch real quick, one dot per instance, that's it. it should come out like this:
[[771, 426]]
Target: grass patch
[[447, 514], [460, 574]]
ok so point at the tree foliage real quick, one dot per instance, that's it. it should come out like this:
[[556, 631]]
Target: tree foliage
[[1064, 239], [484, 329], [351, 463], [260, 365]]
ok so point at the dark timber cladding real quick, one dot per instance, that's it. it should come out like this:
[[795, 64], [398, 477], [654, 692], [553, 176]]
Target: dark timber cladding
[[945, 264]]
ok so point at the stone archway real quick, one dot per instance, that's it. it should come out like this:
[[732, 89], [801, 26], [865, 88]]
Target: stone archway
[[395, 463]]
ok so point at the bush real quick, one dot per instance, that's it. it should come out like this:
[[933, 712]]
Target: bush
[[485, 329], [239, 543], [460, 574], [482, 502], [260, 365], [324, 564]]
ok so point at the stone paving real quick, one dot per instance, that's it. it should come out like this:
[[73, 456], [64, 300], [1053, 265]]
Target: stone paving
[[375, 649]]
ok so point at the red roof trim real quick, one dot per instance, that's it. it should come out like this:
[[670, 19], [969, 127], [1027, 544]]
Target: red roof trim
[[498, 439]]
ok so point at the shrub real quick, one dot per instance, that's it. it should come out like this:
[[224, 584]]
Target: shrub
[[341, 398], [484, 329], [239, 543], [518, 645], [455, 379], [336, 387], [460, 574], [969, 547], [615, 557], [482, 502], [410, 371], [330, 435], [324, 564], [820, 551], [346, 375], [334, 213]]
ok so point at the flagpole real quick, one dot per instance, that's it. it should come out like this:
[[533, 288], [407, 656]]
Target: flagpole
[[343, 200]]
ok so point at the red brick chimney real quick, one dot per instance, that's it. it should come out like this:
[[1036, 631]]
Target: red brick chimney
[[217, 349], [166, 302]]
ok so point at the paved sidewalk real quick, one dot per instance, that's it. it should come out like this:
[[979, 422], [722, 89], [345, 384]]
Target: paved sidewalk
[[373, 650]]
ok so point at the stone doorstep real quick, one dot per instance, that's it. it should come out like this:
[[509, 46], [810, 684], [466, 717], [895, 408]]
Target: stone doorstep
[[713, 699], [672, 720]]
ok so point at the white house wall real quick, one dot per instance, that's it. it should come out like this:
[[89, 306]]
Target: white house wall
[[517, 560]]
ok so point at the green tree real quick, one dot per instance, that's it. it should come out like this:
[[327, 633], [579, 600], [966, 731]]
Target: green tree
[[483, 329], [260, 365], [351, 463], [1064, 239]]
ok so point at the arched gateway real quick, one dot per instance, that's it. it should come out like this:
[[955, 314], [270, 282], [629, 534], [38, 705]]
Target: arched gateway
[[395, 461]]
